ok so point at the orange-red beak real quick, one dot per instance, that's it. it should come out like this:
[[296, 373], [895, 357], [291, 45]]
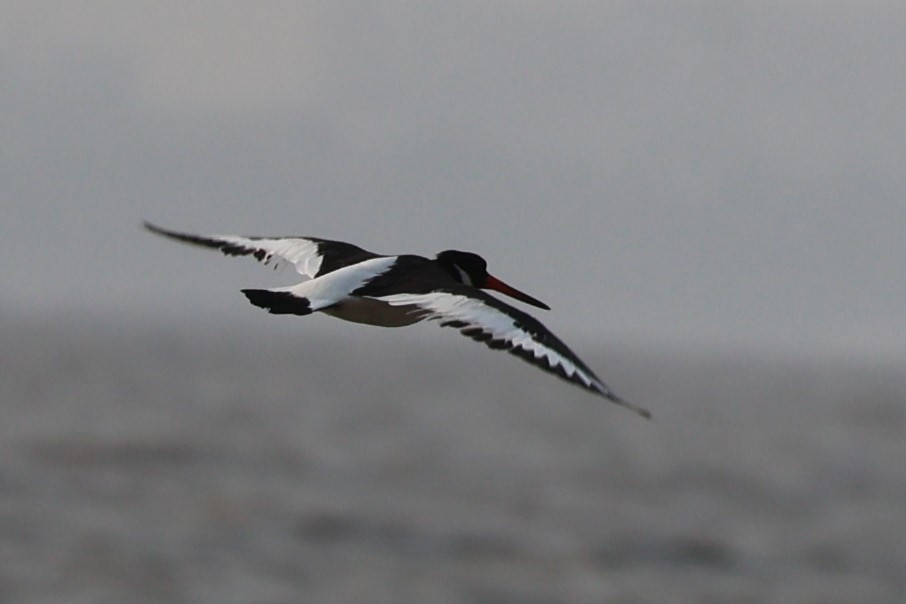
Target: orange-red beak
[[498, 285]]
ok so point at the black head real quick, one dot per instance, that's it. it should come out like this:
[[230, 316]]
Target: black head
[[466, 267], [471, 269]]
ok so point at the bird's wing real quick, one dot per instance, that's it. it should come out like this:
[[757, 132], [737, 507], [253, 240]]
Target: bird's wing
[[310, 255], [498, 325]]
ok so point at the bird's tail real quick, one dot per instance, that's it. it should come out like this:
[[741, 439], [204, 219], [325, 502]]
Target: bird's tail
[[279, 302]]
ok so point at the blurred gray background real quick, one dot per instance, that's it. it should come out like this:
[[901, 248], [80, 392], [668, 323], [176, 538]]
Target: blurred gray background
[[716, 171], [710, 196]]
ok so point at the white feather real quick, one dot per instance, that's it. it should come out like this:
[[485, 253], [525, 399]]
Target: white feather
[[298, 251], [337, 285], [474, 312]]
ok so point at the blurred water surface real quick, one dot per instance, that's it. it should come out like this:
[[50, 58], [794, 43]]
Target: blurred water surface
[[187, 464]]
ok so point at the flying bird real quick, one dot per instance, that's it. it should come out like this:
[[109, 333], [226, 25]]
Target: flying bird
[[350, 283]]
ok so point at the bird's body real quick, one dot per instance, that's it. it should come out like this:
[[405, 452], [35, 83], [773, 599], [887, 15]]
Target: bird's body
[[350, 283]]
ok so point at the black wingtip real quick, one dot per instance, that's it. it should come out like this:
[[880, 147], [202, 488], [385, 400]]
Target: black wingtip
[[645, 413], [150, 226], [200, 240], [641, 411]]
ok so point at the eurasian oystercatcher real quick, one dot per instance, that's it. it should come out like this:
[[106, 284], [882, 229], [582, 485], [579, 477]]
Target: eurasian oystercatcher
[[353, 284]]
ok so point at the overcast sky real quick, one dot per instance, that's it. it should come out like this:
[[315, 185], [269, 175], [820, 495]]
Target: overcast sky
[[726, 171]]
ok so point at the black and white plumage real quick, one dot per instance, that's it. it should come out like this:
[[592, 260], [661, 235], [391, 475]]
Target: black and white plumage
[[356, 285]]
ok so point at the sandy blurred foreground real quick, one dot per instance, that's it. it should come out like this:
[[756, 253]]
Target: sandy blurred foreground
[[181, 464]]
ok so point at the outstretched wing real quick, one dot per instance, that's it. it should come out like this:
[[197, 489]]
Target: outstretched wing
[[498, 325], [310, 255]]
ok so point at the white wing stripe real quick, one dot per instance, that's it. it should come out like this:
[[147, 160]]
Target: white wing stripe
[[500, 326], [329, 289], [297, 251], [300, 251]]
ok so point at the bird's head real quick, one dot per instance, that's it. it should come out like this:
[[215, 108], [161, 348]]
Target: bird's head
[[471, 269]]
